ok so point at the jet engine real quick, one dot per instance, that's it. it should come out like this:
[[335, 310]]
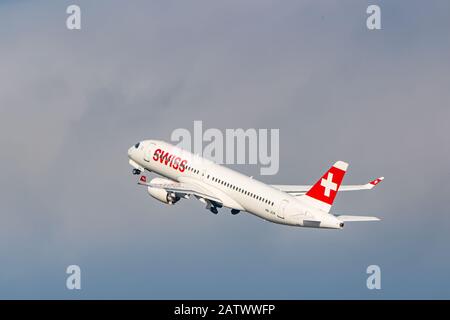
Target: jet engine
[[161, 194]]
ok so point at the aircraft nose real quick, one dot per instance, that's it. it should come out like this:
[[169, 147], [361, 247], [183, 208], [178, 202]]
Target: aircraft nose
[[131, 151]]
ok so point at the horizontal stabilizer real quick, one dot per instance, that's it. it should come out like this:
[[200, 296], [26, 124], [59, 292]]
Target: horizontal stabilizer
[[344, 218]]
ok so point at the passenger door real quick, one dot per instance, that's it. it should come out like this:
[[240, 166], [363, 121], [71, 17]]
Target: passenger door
[[204, 175], [148, 152], [282, 209]]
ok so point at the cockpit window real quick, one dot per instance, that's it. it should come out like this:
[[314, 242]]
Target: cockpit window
[[137, 145]]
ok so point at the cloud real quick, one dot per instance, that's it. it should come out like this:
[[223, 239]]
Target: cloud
[[73, 102]]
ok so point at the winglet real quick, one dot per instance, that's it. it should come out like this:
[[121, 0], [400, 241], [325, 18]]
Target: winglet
[[373, 183]]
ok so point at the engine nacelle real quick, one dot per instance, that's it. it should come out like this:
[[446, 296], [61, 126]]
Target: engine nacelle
[[161, 194]]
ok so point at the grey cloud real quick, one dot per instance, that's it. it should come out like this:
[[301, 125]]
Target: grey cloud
[[72, 103]]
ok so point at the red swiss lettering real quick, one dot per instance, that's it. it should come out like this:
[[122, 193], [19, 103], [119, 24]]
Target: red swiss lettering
[[156, 154]]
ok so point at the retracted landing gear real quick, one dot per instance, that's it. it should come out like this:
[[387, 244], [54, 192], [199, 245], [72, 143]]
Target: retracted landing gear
[[213, 210], [211, 205], [234, 211]]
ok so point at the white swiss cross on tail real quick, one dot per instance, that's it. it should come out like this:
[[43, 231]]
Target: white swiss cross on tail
[[322, 194], [328, 184]]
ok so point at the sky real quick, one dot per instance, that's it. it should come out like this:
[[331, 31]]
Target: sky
[[73, 102]]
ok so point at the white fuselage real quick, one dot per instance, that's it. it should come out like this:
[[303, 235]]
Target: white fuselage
[[237, 191]]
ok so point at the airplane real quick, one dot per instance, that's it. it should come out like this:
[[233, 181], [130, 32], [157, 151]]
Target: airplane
[[186, 175]]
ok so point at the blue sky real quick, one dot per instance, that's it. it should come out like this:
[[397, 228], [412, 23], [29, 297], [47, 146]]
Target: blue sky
[[72, 102]]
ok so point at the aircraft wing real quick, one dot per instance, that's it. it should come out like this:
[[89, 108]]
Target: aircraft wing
[[185, 190], [298, 190]]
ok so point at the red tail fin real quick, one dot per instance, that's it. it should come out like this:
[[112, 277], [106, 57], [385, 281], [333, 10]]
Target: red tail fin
[[322, 194]]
